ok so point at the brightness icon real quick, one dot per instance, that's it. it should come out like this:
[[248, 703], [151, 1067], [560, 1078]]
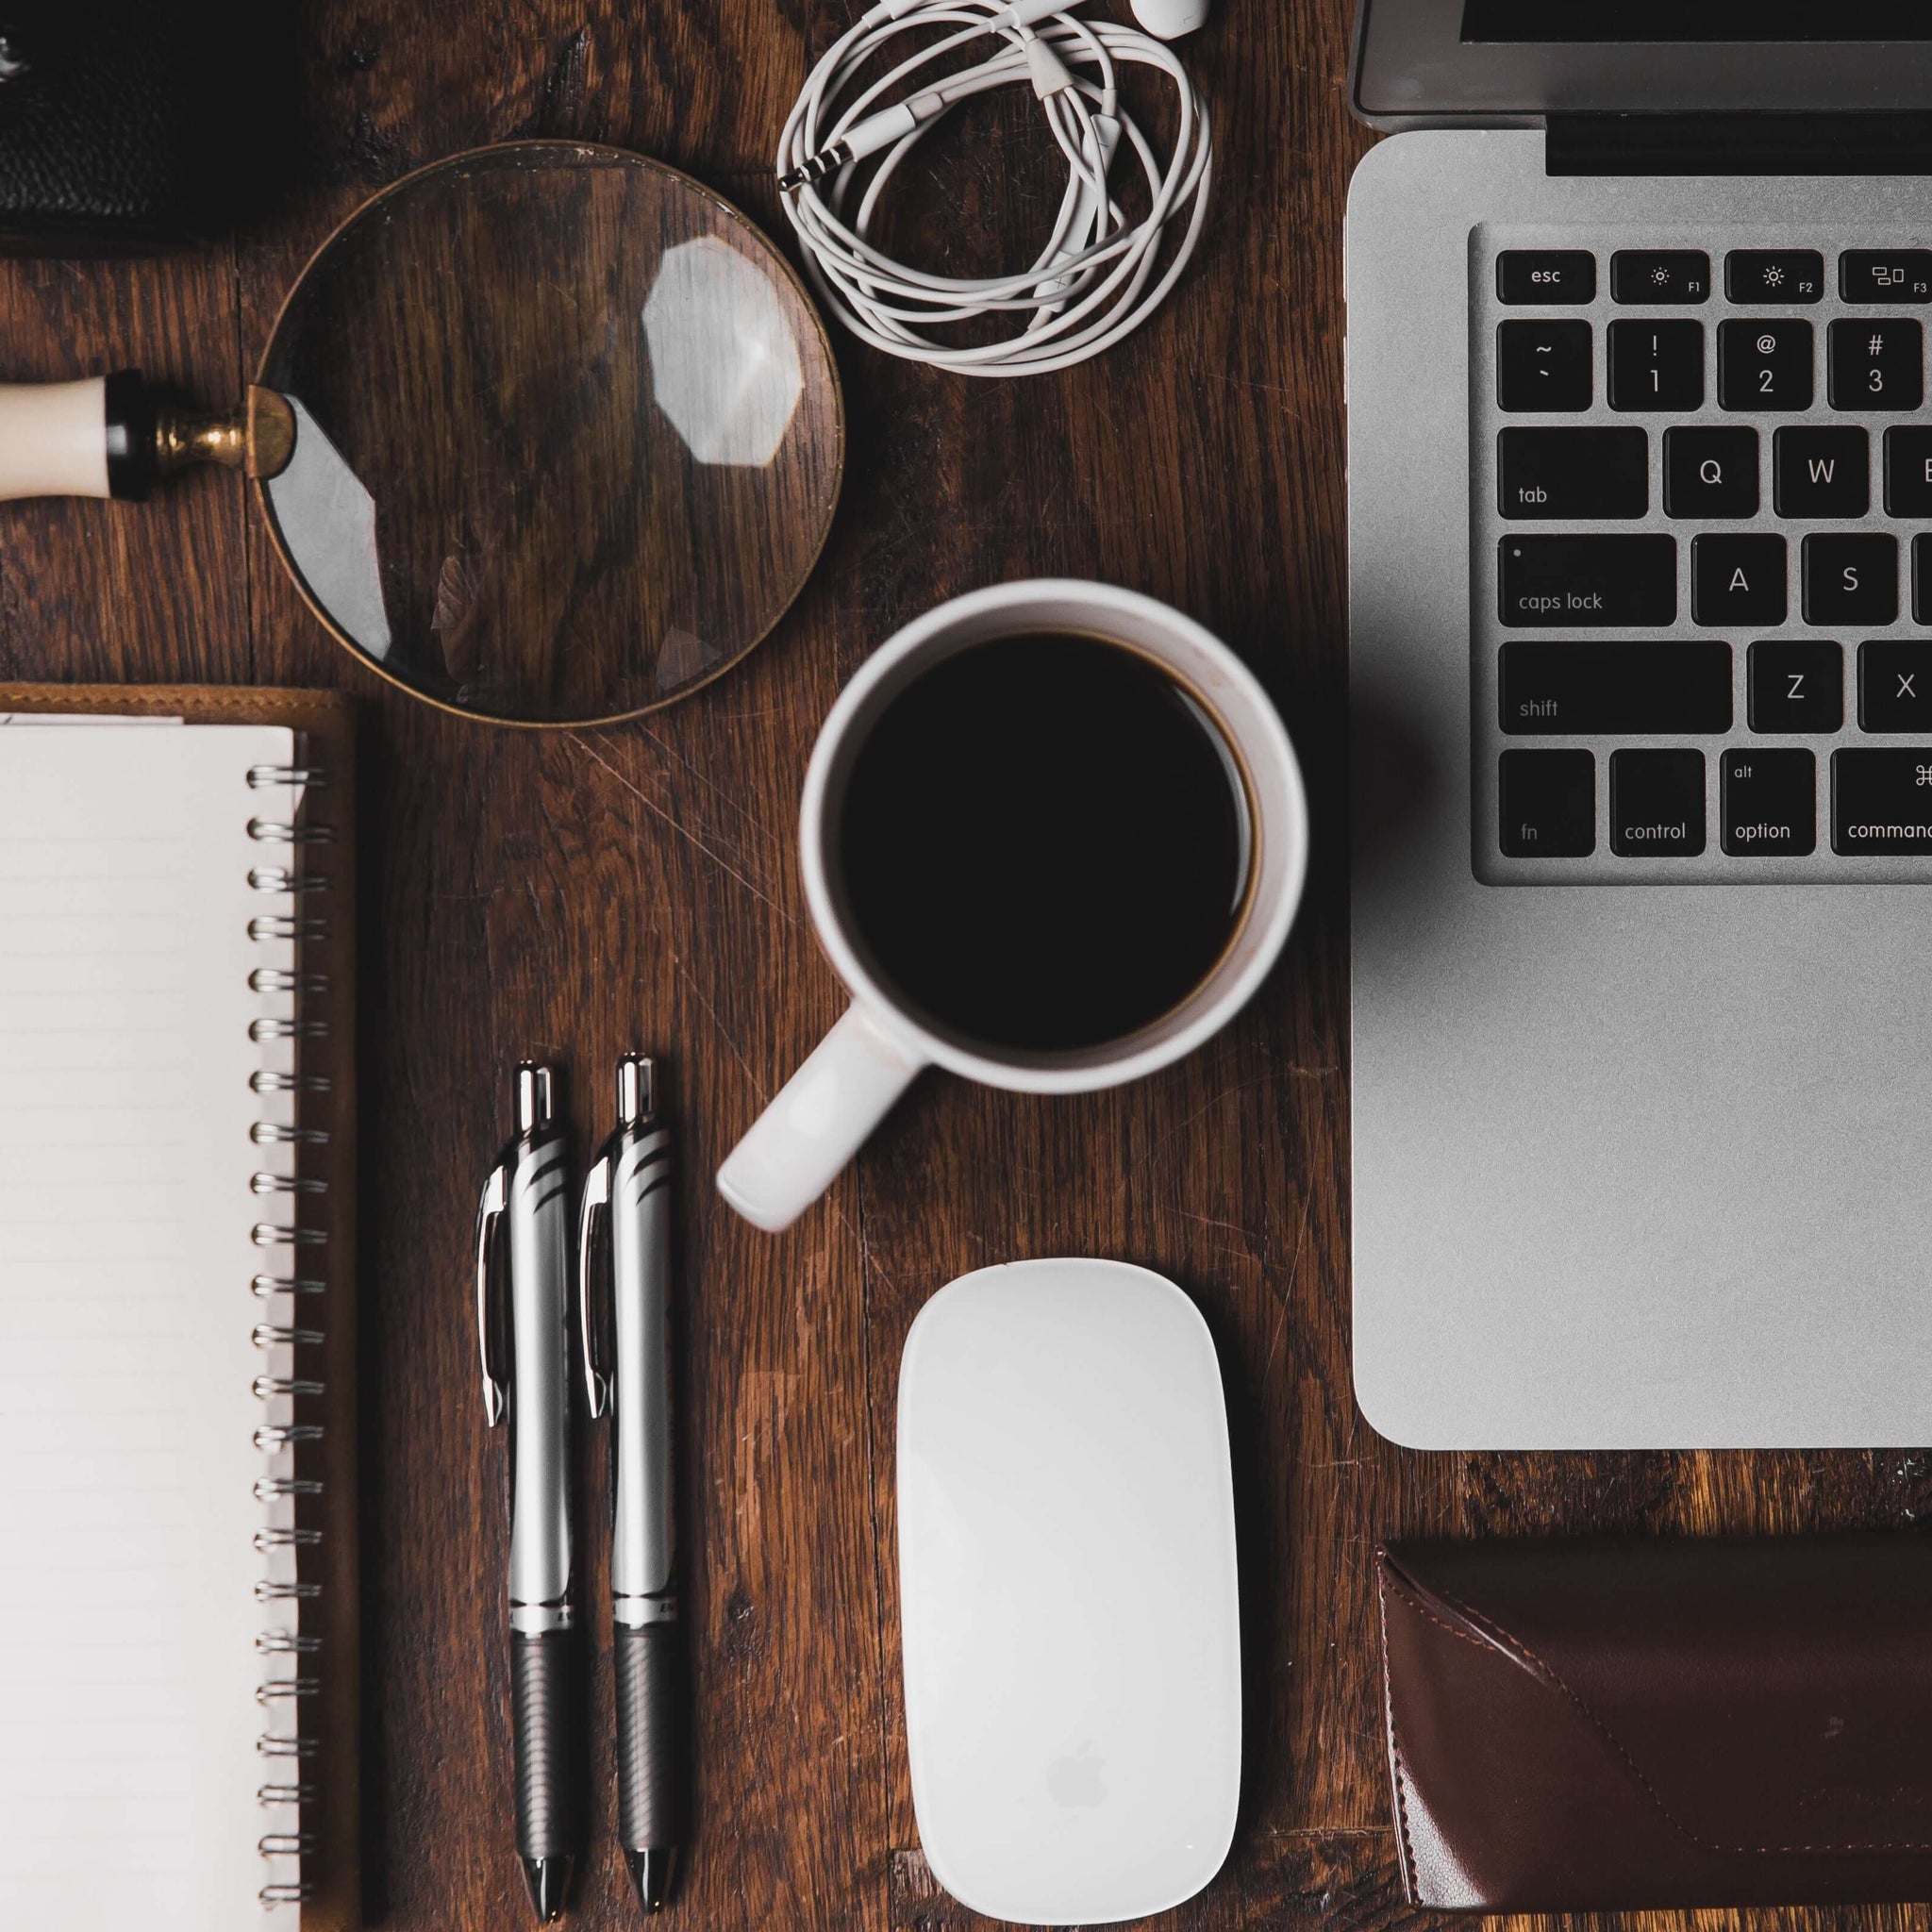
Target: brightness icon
[[1773, 277]]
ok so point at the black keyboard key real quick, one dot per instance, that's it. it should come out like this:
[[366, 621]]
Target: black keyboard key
[[1546, 275], [1773, 275], [1656, 365], [1895, 686], [1822, 473], [1588, 580], [1885, 274], [1544, 365], [1660, 275], [1795, 684], [1851, 580], [1878, 363], [1547, 804], [1593, 687], [1657, 803], [1573, 472], [1921, 581], [1710, 473], [1908, 472], [1764, 364], [1738, 580], [1768, 802], [1881, 801]]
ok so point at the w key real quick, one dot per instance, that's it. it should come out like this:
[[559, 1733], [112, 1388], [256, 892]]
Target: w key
[[1573, 472]]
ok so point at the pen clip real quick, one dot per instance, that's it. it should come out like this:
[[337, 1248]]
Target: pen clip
[[596, 1199], [489, 1325]]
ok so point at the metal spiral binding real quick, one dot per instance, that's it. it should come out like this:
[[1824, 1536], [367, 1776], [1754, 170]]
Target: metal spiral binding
[[272, 1438]]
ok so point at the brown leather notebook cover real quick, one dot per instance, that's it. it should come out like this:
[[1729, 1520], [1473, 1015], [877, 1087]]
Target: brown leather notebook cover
[[1581, 1726], [325, 720]]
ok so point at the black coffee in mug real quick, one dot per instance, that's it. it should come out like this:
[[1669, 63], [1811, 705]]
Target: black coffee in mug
[[1043, 843]]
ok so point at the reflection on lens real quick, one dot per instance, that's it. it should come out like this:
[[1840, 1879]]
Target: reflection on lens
[[724, 364], [328, 522]]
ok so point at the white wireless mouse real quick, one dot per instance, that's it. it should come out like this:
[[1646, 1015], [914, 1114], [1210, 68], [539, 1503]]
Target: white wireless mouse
[[1067, 1594]]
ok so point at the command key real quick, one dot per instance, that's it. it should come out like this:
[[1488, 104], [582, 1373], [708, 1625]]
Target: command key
[[1881, 801]]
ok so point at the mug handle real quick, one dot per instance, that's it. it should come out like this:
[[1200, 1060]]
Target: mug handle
[[819, 1120]]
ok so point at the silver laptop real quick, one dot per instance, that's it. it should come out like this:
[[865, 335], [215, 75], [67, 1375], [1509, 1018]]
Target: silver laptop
[[1641, 632]]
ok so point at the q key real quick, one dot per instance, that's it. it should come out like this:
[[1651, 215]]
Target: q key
[[1710, 473]]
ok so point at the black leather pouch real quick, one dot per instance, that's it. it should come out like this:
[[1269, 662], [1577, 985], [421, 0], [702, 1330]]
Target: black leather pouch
[[109, 116], [1579, 1727]]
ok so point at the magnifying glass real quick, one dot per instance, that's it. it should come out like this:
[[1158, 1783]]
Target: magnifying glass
[[546, 433]]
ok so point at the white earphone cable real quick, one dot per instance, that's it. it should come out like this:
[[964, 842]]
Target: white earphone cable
[[1098, 277]]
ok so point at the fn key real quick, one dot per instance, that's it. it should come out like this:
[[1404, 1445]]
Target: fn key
[[1547, 807]]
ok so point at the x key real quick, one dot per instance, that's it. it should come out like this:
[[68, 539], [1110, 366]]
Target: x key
[[1894, 686]]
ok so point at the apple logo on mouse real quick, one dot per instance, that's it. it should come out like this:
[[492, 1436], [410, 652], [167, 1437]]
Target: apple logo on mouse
[[1076, 1780]]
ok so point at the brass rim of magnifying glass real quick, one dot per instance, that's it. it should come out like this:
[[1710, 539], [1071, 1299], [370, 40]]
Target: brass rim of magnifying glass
[[628, 158]]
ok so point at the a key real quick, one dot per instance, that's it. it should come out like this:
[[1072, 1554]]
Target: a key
[[1546, 807], [1908, 472], [1876, 363], [1657, 803], [1822, 473], [1773, 275], [1569, 581], [1597, 688], [1851, 580], [1894, 686], [1738, 580], [1881, 801], [1768, 802], [1795, 684], [1546, 275], [1764, 364], [1660, 275], [1921, 581], [1544, 365], [1885, 274], [1656, 365], [1710, 473], [1573, 472]]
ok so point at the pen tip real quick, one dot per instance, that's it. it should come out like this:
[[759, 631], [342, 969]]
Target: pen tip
[[549, 1880], [650, 1871]]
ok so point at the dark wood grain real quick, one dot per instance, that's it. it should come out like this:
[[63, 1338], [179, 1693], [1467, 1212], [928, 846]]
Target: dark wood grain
[[579, 893]]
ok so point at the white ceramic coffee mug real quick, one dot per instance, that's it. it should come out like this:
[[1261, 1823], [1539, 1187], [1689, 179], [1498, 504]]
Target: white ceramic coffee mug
[[827, 1109]]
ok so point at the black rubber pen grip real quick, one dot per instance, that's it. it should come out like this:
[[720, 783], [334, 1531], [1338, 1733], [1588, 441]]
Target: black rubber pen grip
[[651, 1781], [547, 1692]]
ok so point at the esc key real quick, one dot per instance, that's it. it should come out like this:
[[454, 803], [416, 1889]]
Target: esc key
[[1546, 275]]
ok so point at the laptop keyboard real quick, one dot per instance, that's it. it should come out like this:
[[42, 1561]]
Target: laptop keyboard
[[1702, 518]]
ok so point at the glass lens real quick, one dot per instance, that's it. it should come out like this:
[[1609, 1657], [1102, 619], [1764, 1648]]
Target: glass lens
[[568, 433]]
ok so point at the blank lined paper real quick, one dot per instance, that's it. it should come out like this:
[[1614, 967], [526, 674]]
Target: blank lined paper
[[129, 1665]]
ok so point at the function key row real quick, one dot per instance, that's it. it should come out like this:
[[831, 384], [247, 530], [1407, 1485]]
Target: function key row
[[1657, 366], [1630, 582], [1566, 277], [1579, 473], [1674, 687], [1881, 803]]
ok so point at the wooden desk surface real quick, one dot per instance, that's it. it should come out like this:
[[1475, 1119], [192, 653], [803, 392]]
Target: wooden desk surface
[[575, 894]]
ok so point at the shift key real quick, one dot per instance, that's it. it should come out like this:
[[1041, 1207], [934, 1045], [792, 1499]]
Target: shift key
[[1588, 580]]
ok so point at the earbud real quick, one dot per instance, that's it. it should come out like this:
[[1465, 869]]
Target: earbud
[[1170, 20]]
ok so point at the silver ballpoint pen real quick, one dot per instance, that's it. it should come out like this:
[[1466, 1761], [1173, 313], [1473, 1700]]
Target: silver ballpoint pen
[[630, 1186], [522, 1307]]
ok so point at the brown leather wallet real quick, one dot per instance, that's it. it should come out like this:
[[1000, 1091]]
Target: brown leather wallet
[[1578, 1726]]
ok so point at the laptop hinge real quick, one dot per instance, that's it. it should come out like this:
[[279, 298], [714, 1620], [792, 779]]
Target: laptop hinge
[[1739, 144]]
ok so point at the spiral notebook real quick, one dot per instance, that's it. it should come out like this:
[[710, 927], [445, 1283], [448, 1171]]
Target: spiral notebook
[[178, 1606]]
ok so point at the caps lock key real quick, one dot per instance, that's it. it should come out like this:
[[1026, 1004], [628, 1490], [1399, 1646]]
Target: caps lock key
[[1575, 581]]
